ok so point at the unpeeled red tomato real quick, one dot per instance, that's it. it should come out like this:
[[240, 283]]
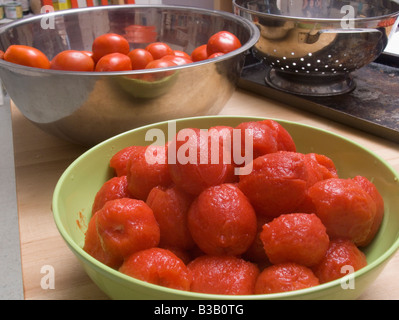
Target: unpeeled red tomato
[[180, 53], [160, 63], [200, 53], [178, 60], [89, 53], [159, 50], [109, 43], [222, 41], [27, 56], [114, 62], [215, 55], [72, 60], [140, 58]]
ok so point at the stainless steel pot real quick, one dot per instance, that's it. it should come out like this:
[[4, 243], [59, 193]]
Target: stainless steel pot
[[89, 107]]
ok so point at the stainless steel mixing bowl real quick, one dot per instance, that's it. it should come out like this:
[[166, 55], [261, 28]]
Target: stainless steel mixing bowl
[[312, 46], [89, 107]]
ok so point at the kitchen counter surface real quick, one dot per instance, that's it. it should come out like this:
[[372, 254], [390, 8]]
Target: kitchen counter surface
[[40, 160], [11, 286]]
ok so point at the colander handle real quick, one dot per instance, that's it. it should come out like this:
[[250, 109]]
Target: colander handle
[[351, 31], [373, 35]]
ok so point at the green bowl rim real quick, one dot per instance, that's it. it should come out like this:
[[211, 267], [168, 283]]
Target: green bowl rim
[[194, 295]]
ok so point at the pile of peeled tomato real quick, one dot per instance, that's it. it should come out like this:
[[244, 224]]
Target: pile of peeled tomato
[[112, 52], [288, 223]]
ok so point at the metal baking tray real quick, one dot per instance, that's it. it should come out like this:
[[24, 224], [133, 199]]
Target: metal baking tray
[[372, 107]]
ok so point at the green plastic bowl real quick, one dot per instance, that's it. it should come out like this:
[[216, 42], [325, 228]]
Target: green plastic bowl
[[78, 185]]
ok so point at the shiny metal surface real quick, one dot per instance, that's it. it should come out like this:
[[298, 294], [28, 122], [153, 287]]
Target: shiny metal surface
[[87, 108], [312, 46]]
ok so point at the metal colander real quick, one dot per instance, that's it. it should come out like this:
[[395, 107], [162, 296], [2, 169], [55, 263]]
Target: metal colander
[[312, 46]]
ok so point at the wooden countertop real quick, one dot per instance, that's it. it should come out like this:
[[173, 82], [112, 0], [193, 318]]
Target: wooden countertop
[[40, 160]]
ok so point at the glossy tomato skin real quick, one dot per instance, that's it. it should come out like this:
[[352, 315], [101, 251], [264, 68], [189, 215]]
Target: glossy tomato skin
[[177, 60], [215, 55], [180, 53], [72, 60], [222, 41], [160, 63], [159, 50], [200, 53], [140, 58], [27, 56], [114, 62], [109, 43], [89, 53]]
